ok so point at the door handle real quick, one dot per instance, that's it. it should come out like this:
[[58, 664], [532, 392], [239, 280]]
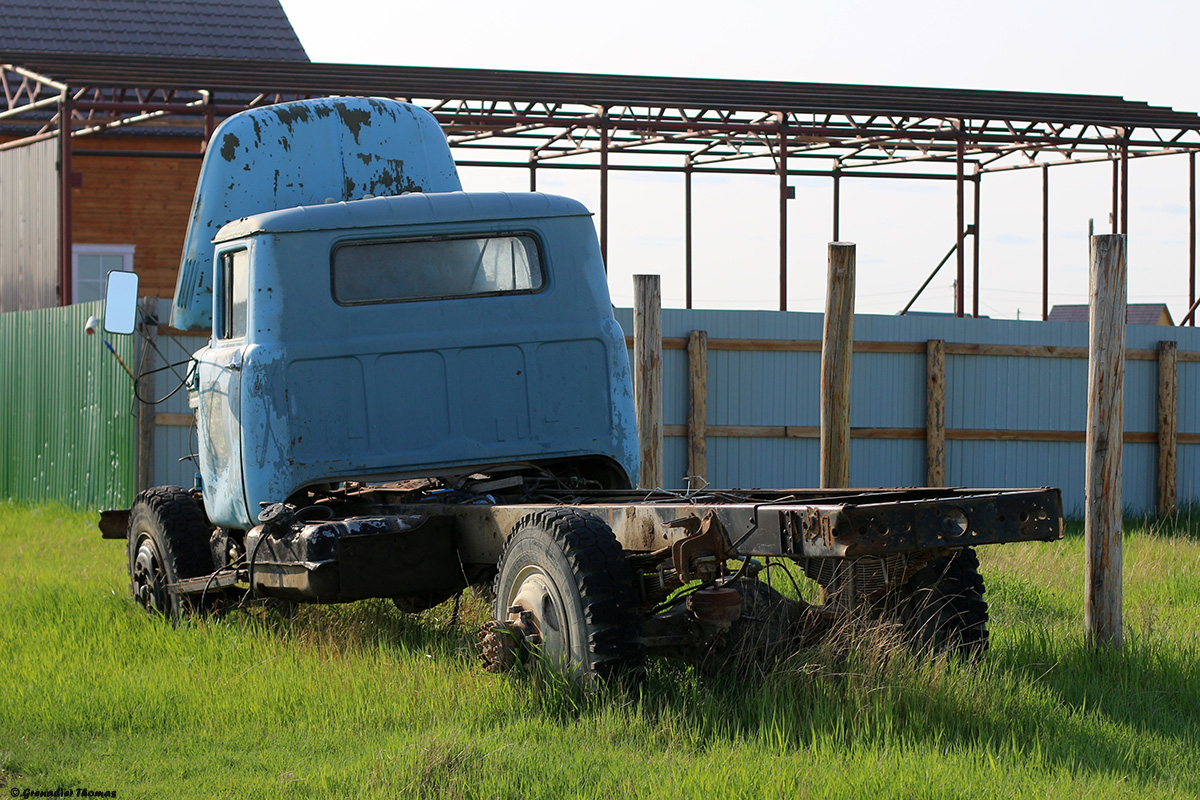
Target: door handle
[[235, 361]]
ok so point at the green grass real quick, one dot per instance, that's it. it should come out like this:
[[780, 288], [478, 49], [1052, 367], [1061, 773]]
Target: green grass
[[361, 701]]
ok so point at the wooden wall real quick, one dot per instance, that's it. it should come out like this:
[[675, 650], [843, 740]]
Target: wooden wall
[[140, 200]]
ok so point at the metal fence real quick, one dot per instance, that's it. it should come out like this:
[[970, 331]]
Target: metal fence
[[67, 429], [1015, 402], [1015, 405]]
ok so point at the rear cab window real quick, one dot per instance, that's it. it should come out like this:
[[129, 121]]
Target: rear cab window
[[422, 269]]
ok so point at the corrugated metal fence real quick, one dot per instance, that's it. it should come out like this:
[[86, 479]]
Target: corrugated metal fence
[[1016, 402], [67, 431]]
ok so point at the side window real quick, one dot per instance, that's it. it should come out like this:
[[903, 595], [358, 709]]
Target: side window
[[420, 269], [234, 289]]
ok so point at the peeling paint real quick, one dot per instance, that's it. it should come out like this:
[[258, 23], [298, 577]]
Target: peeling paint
[[229, 145], [355, 119]]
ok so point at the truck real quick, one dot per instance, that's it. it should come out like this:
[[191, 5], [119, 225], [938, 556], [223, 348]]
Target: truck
[[410, 390]]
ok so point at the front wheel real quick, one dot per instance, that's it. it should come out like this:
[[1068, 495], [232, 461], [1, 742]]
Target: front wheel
[[168, 541], [563, 578]]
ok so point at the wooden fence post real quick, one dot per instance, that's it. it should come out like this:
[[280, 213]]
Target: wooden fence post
[[698, 404], [1105, 426], [1168, 426], [935, 412], [148, 309], [837, 352], [647, 376]]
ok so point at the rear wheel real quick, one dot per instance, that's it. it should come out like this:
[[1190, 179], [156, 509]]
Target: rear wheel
[[942, 606], [168, 541], [564, 585]]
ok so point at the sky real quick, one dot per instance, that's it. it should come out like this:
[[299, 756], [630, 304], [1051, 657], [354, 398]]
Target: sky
[[1145, 51]]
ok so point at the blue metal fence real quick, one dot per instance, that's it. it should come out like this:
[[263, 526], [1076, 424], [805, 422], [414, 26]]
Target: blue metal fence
[[984, 394]]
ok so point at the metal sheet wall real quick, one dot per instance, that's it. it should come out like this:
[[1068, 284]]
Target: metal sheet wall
[[888, 391], [67, 430], [29, 227]]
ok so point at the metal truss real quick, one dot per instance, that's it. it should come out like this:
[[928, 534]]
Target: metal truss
[[692, 126]]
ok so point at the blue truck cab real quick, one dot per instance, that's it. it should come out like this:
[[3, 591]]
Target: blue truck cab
[[413, 335]]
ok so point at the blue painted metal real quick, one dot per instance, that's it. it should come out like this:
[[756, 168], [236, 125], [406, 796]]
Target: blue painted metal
[[304, 153], [328, 392]]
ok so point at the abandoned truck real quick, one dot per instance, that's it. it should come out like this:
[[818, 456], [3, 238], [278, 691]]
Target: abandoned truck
[[410, 389]]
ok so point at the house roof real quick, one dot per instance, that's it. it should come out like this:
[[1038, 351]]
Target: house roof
[[257, 29], [1135, 313]]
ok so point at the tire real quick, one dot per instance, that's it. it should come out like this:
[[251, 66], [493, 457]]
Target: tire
[[168, 540], [566, 569], [943, 609]]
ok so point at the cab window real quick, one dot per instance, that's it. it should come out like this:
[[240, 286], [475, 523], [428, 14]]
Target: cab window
[[421, 269], [235, 268]]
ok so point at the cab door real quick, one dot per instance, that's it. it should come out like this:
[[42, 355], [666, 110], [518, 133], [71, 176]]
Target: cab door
[[219, 372]]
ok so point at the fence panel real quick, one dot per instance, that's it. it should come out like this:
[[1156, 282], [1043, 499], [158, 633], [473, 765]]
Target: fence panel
[[67, 430], [1016, 402]]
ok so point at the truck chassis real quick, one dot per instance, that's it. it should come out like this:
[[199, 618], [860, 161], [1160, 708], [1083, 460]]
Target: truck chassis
[[595, 581]]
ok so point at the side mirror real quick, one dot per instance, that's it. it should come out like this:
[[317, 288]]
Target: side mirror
[[120, 302]]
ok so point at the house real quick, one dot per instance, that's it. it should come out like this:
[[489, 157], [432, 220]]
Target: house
[[131, 187], [1135, 314]]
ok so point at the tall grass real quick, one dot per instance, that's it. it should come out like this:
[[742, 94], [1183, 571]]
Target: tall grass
[[362, 701]]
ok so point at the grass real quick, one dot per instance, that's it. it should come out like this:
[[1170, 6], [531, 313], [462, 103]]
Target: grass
[[361, 701]]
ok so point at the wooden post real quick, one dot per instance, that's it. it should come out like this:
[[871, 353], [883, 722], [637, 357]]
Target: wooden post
[[1168, 426], [935, 412], [1105, 426], [698, 404], [146, 412], [837, 352], [647, 376]]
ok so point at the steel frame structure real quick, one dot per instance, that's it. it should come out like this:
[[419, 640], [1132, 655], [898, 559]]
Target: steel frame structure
[[607, 123]]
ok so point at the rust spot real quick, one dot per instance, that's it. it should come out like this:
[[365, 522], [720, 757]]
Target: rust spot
[[289, 115], [354, 120], [229, 145]]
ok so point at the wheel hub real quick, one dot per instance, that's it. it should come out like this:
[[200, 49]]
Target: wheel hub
[[536, 619], [149, 581]]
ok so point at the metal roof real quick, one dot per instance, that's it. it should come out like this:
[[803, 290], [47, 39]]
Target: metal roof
[[252, 75], [542, 120], [151, 27], [1135, 313], [526, 117]]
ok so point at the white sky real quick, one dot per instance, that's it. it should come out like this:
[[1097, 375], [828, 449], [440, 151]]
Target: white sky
[[1142, 51]]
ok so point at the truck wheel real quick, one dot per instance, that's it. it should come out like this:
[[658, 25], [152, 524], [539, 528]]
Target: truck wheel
[[564, 580], [942, 606], [168, 540]]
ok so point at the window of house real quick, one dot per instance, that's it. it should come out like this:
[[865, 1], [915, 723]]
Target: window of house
[[91, 264]]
